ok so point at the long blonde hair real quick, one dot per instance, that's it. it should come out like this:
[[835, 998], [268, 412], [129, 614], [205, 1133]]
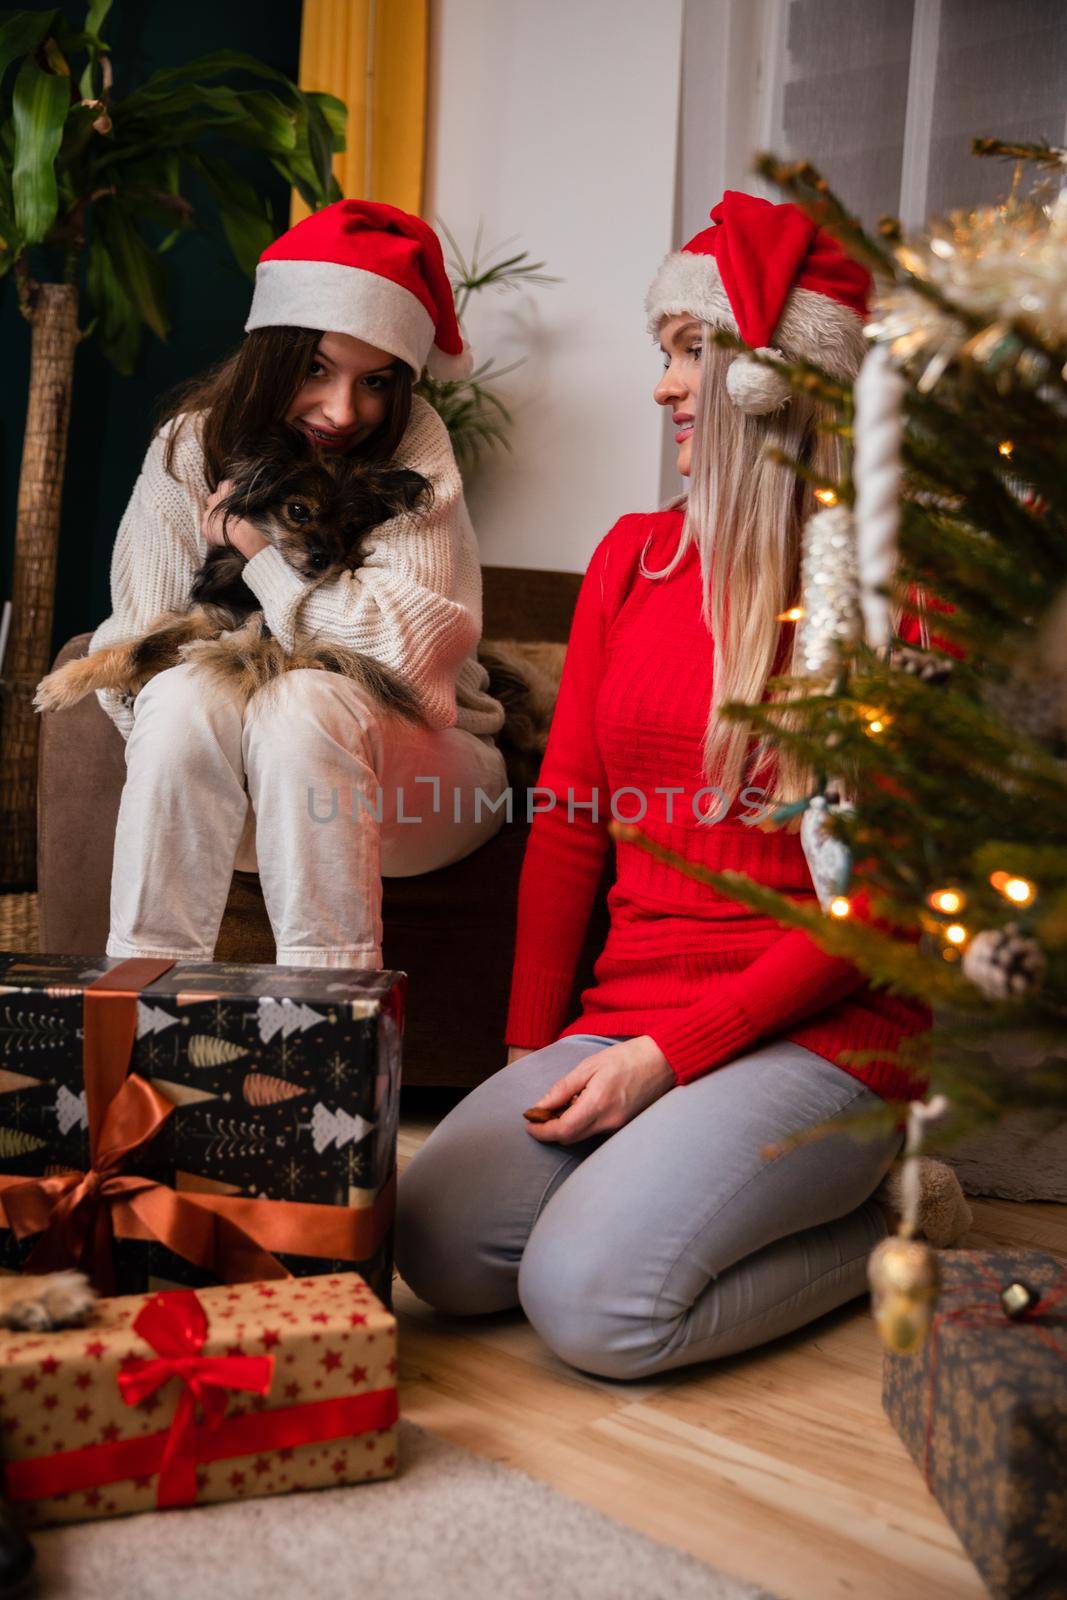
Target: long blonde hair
[[744, 514]]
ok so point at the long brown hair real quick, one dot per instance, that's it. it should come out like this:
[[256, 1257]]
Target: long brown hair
[[254, 387]]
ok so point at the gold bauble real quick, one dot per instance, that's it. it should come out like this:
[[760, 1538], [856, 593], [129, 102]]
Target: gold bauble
[[904, 1279]]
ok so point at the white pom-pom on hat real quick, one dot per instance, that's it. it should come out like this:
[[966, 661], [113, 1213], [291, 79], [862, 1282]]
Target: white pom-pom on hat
[[755, 388], [450, 368]]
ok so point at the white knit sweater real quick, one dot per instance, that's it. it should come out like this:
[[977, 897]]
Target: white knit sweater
[[415, 604]]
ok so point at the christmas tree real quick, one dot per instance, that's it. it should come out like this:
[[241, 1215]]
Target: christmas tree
[[939, 792]]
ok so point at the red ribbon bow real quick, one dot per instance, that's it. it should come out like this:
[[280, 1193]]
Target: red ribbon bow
[[175, 1325]]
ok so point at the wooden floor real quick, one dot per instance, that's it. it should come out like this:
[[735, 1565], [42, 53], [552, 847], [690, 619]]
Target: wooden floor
[[779, 1466]]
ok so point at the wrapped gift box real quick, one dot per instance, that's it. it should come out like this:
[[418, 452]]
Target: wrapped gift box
[[983, 1412], [284, 1083], [190, 1397]]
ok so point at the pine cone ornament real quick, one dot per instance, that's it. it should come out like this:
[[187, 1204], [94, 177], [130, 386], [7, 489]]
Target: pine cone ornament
[[1004, 963], [924, 664]]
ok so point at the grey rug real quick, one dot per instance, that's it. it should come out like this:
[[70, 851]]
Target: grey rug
[[1019, 1160], [451, 1526]]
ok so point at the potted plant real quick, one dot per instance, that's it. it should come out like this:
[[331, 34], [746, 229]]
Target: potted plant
[[94, 191]]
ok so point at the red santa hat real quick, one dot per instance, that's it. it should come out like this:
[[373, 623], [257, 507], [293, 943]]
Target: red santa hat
[[786, 287], [367, 269]]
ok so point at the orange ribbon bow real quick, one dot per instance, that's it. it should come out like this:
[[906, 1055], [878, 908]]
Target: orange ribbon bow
[[76, 1212]]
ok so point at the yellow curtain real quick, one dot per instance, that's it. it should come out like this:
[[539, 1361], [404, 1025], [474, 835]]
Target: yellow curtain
[[372, 55]]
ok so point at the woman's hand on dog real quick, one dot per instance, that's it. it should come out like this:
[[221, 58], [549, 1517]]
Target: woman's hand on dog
[[238, 533], [604, 1092]]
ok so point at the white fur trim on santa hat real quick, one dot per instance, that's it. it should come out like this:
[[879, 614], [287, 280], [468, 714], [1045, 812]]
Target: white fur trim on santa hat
[[811, 328], [339, 299]]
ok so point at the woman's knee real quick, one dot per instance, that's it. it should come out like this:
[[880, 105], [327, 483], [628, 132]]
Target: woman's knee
[[183, 708], [583, 1302], [443, 1249], [308, 702]]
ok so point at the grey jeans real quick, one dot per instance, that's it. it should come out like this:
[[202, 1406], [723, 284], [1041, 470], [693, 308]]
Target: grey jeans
[[668, 1242]]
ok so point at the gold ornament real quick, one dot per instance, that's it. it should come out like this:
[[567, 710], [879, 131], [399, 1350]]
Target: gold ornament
[[904, 1279], [1005, 264]]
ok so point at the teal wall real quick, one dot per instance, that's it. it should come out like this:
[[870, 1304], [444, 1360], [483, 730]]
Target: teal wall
[[111, 419]]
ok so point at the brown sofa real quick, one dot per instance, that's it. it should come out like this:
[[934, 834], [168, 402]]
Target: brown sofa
[[450, 931]]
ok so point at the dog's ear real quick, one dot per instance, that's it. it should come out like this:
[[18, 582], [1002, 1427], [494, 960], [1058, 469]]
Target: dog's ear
[[399, 490], [262, 467], [270, 451]]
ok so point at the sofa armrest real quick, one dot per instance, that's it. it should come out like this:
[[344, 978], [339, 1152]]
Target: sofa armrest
[[80, 773]]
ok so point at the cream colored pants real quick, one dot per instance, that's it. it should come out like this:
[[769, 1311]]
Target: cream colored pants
[[306, 783]]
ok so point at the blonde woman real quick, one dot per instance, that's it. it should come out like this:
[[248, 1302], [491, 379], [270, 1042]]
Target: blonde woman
[[640, 1226]]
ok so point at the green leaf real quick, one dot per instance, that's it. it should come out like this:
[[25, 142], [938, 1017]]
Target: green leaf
[[135, 266], [335, 113], [94, 17], [308, 168], [40, 104], [245, 220], [157, 111], [20, 34], [209, 66], [271, 125], [77, 131], [320, 147], [94, 21], [57, 61], [117, 324]]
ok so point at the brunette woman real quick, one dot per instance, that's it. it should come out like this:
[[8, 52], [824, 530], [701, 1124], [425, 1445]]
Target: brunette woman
[[310, 784]]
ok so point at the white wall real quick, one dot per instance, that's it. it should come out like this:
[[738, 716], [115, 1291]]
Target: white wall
[[557, 121]]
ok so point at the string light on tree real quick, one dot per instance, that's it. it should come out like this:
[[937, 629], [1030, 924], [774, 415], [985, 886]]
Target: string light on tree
[[1005, 447], [840, 906], [794, 614], [956, 934], [1020, 891], [950, 901], [877, 721], [826, 497]]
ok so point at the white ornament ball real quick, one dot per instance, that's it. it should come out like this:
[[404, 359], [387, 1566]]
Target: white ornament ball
[[1004, 963], [757, 389], [829, 858]]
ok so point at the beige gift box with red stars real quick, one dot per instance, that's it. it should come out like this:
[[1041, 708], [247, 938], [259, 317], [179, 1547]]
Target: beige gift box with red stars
[[186, 1398]]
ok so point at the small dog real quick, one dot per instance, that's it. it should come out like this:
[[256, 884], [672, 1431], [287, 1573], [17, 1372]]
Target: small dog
[[316, 510], [53, 1300]]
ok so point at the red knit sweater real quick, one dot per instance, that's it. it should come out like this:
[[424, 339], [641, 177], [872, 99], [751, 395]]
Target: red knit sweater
[[706, 977]]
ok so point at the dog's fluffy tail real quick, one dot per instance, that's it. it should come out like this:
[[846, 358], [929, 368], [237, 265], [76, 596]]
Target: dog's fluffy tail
[[128, 666], [384, 685], [248, 662], [104, 669]]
